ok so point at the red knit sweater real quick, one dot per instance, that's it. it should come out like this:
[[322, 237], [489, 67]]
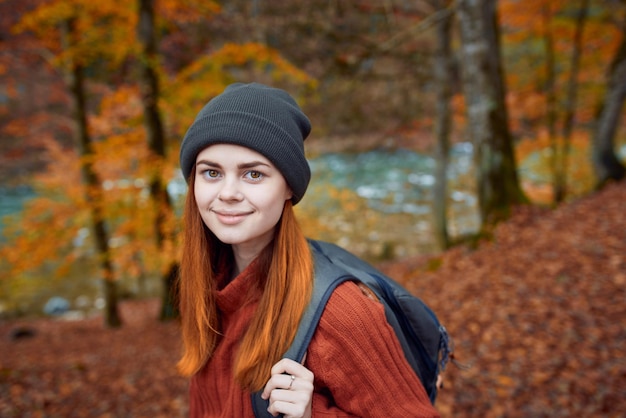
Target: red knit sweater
[[358, 363]]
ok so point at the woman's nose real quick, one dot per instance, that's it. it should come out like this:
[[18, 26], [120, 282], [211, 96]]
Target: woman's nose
[[230, 190]]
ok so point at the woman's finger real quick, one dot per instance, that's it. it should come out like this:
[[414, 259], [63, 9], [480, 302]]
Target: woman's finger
[[288, 366], [289, 389]]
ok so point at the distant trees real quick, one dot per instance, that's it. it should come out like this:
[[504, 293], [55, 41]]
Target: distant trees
[[155, 134], [61, 28], [371, 61], [558, 53], [443, 61], [74, 72], [380, 71], [562, 157], [498, 187], [607, 165]]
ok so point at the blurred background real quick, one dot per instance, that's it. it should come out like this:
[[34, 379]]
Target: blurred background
[[432, 121]]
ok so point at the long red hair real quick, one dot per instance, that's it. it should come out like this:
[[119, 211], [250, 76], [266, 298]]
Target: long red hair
[[286, 291]]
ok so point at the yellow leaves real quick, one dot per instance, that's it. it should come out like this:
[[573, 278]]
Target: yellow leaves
[[49, 225], [104, 33], [103, 29], [40, 235], [63, 172], [527, 14], [120, 111], [55, 228], [263, 57], [212, 67], [46, 16], [236, 54], [210, 74], [534, 72], [536, 153]]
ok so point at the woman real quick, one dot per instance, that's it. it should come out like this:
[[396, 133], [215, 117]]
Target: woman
[[247, 275]]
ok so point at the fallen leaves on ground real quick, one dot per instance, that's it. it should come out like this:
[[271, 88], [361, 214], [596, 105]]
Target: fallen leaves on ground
[[82, 369], [537, 313]]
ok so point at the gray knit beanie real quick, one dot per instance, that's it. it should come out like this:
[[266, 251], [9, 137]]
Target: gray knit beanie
[[265, 119]]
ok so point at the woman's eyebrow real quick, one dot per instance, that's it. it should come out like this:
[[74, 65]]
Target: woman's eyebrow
[[241, 166], [209, 163], [252, 164]]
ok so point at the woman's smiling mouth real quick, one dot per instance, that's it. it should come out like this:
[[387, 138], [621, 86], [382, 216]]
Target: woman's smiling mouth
[[230, 218]]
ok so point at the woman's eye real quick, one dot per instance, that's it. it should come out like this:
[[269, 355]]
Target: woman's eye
[[211, 173], [254, 175]]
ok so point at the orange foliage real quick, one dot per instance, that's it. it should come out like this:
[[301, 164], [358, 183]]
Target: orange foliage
[[186, 11], [50, 222], [525, 107], [106, 28], [120, 154], [524, 29], [458, 110], [579, 174], [526, 25], [208, 76]]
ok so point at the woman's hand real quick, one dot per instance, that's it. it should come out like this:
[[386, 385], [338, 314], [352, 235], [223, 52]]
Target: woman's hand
[[289, 390]]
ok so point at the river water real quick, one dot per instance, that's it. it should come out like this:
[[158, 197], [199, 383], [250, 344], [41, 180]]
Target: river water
[[12, 200], [389, 213], [396, 187], [377, 204], [391, 183]]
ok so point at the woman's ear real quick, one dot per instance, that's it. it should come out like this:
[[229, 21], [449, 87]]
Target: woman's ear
[[288, 194]]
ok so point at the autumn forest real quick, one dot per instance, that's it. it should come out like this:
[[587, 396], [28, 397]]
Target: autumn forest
[[95, 97]]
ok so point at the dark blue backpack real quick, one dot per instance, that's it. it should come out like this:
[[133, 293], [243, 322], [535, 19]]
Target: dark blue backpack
[[424, 340]]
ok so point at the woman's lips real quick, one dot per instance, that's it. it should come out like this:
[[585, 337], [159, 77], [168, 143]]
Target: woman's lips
[[231, 218]]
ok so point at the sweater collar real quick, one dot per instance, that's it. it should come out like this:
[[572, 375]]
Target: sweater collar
[[239, 291]]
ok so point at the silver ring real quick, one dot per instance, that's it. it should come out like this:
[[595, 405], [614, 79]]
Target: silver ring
[[291, 383]]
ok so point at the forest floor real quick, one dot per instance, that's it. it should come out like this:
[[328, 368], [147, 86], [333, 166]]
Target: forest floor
[[537, 312]]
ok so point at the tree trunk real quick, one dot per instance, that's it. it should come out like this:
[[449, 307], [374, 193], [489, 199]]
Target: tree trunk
[[93, 192], [156, 142], [497, 183], [550, 88], [607, 165], [443, 121], [560, 186]]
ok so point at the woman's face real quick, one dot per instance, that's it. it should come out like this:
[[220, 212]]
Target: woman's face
[[240, 195]]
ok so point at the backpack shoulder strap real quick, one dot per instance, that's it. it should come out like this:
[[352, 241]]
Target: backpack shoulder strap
[[327, 277], [424, 340]]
